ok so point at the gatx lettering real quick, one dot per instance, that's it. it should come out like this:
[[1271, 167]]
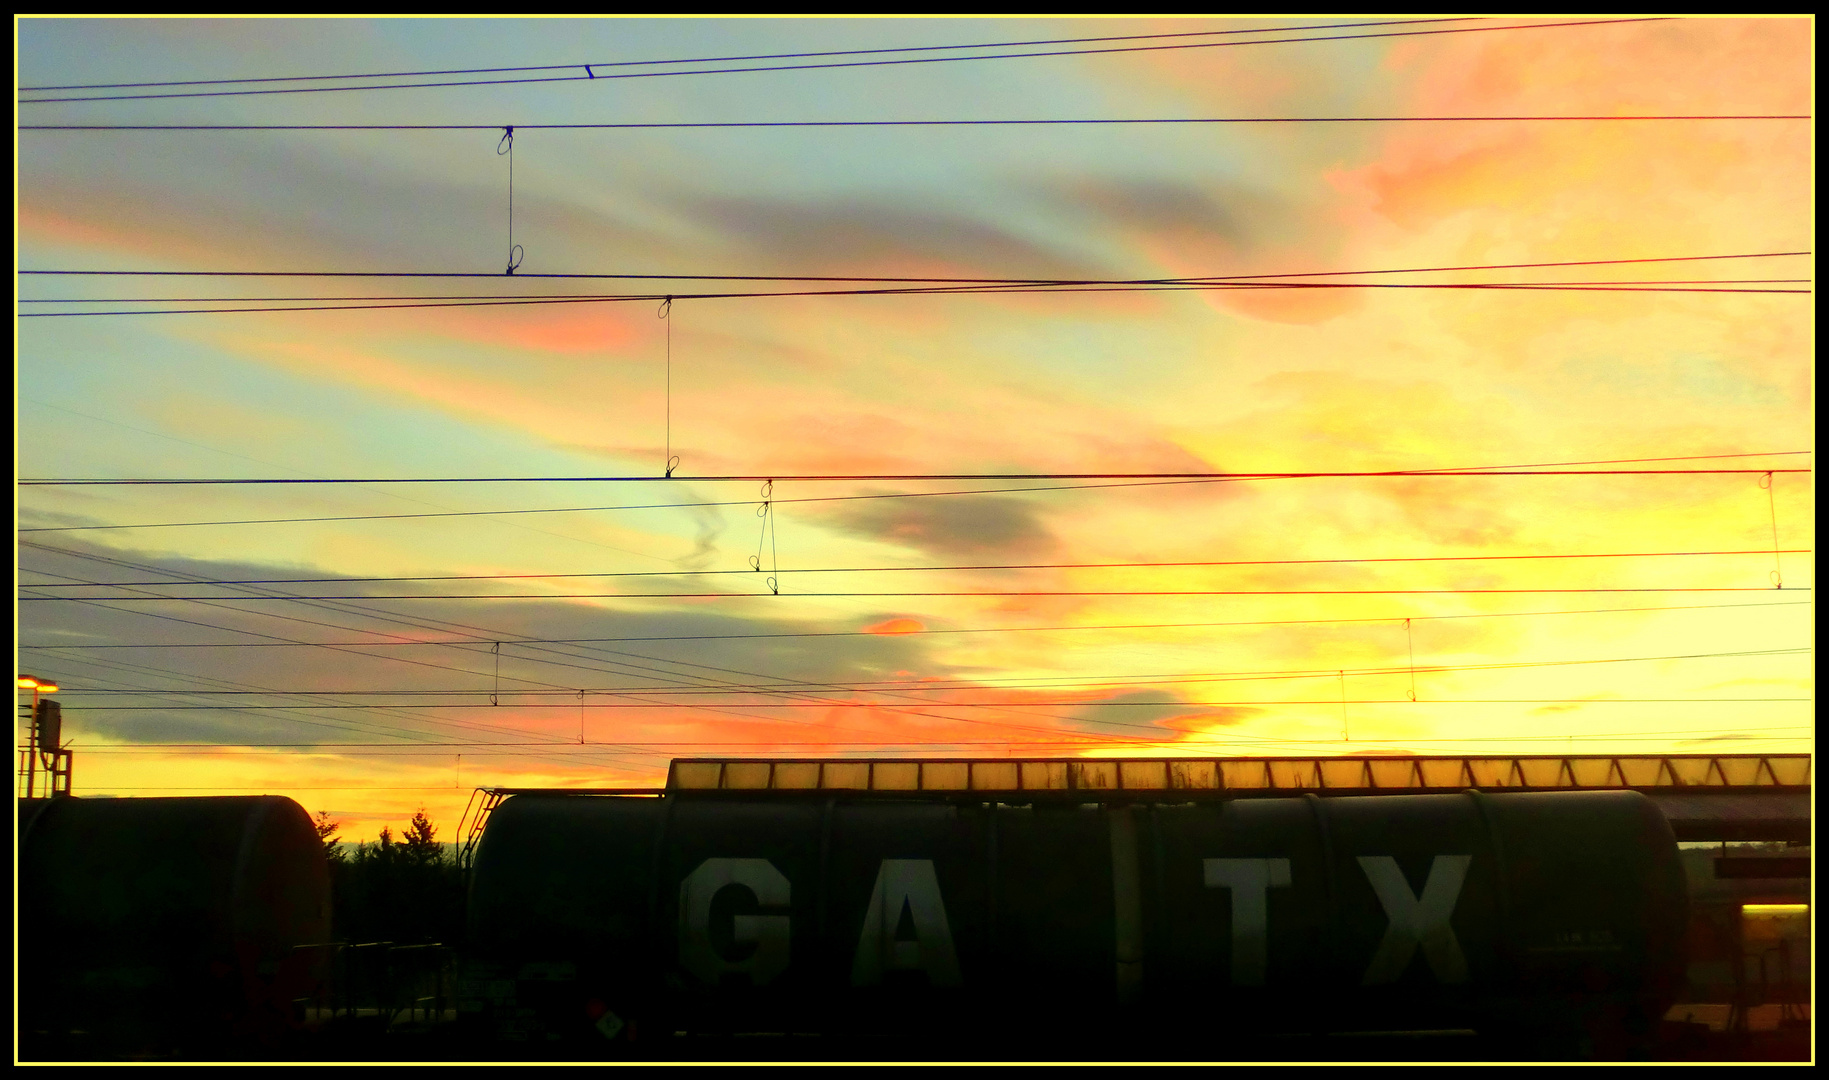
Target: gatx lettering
[[1417, 920], [905, 887], [1250, 882], [769, 932]]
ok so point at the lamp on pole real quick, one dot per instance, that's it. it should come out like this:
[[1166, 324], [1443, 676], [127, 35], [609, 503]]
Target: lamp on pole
[[37, 686]]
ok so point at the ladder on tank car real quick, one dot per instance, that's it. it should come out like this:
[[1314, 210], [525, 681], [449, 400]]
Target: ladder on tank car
[[470, 826]]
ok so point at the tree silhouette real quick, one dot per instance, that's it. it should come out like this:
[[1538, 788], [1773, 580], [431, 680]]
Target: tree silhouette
[[406, 890], [421, 839], [327, 832]]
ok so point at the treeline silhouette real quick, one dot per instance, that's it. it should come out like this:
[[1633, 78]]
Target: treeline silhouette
[[408, 891]]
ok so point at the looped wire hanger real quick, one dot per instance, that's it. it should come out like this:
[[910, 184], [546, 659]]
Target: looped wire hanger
[[506, 146], [1776, 576], [1346, 731], [494, 694], [767, 539], [1410, 638], [665, 314]]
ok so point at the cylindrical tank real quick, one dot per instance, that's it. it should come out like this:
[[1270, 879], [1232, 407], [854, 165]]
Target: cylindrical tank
[[157, 921], [955, 918]]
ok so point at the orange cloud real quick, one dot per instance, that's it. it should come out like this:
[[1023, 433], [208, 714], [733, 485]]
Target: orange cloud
[[896, 626]]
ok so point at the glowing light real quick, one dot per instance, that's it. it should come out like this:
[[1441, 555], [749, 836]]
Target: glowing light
[[1769, 910]]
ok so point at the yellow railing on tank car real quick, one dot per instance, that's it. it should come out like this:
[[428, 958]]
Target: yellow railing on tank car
[[1389, 775]]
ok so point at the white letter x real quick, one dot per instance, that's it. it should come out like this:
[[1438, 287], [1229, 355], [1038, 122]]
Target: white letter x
[[1417, 921]]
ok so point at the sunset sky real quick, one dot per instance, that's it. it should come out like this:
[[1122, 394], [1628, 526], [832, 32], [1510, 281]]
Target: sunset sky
[[883, 638]]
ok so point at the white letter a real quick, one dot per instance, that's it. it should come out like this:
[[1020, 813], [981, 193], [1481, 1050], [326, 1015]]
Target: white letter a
[[906, 885]]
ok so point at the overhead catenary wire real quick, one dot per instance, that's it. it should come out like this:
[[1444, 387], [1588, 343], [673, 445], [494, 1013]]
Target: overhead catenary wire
[[1107, 683], [340, 723], [934, 568], [803, 499], [883, 707], [422, 643], [407, 749], [951, 285], [1012, 705], [64, 272], [964, 593], [92, 683], [886, 707], [586, 72], [141, 481], [273, 304], [892, 708], [621, 659], [407, 305], [895, 633], [540, 297], [352, 651], [1061, 121], [728, 59]]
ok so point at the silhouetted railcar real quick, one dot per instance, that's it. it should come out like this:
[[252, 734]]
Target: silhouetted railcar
[[166, 923], [967, 920]]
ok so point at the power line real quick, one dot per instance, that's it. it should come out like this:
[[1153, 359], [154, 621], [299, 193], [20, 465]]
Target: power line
[[372, 598], [409, 750], [537, 739], [330, 722], [751, 502], [895, 633], [804, 293], [643, 506], [877, 477], [541, 297], [270, 304], [956, 567], [907, 280], [394, 712], [619, 663], [333, 723], [729, 59], [950, 122], [881, 706], [1036, 683], [588, 70], [1258, 742]]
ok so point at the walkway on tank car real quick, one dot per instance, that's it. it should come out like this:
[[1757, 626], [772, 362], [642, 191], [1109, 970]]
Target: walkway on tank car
[[1703, 796]]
